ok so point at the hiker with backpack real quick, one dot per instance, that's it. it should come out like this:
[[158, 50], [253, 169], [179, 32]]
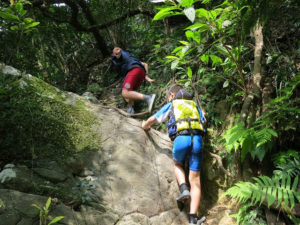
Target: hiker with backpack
[[185, 128], [134, 72]]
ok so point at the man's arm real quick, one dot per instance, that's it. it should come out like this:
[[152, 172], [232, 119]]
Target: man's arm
[[146, 125], [146, 67]]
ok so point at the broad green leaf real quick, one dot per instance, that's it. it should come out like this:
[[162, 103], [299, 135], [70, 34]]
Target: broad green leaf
[[216, 60], [201, 70], [193, 35], [177, 49], [19, 7], [15, 27], [48, 203], [163, 13], [213, 14], [174, 64], [184, 42], [222, 50], [23, 12], [187, 3], [34, 24], [36, 206], [190, 13], [202, 27], [8, 16], [28, 20], [225, 23], [185, 49], [171, 57], [225, 84], [189, 72], [204, 58], [202, 13], [56, 219], [189, 35], [197, 36]]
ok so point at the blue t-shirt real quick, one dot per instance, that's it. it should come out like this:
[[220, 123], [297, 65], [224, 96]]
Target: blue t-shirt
[[165, 112], [126, 62]]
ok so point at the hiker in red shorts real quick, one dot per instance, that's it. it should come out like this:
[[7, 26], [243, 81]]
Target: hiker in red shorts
[[135, 72]]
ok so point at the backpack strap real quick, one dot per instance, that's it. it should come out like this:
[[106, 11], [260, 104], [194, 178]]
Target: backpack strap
[[189, 120]]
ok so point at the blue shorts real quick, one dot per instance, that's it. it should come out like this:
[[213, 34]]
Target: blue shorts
[[181, 147]]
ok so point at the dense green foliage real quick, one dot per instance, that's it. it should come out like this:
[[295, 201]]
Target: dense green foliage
[[251, 97]]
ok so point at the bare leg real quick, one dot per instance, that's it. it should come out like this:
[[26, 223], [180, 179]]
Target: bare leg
[[129, 101], [195, 183], [132, 95], [179, 173]]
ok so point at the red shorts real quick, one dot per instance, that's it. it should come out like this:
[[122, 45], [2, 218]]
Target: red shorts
[[134, 79]]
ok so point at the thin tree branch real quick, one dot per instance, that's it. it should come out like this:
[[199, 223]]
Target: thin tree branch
[[130, 13], [220, 163], [122, 112]]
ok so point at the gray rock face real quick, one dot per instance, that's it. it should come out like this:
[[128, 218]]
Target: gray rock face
[[127, 180], [8, 70], [131, 175], [89, 96], [137, 175]]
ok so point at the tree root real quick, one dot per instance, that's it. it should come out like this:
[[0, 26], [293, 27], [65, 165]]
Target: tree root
[[122, 112], [220, 163]]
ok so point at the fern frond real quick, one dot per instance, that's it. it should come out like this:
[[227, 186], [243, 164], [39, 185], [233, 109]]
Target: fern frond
[[267, 189], [240, 215], [290, 167], [282, 157]]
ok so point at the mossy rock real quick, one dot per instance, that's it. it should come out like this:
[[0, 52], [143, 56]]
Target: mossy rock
[[38, 120]]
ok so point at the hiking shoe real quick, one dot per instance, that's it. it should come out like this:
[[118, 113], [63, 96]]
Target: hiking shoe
[[150, 102], [197, 221], [184, 196], [130, 110]]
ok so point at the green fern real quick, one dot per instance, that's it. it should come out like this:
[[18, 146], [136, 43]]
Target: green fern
[[267, 189], [256, 140], [241, 214], [292, 168], [283, 157], [287, 163], [249, 215]]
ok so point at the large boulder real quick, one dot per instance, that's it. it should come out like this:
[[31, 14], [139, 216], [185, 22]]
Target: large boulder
[[102, 167]]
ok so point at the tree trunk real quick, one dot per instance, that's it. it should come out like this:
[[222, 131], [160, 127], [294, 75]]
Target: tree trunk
[[254, 94], [89, 17]]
